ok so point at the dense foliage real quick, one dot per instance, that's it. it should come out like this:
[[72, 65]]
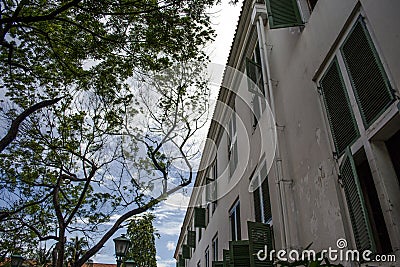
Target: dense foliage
[[142, 234], [91, 125]]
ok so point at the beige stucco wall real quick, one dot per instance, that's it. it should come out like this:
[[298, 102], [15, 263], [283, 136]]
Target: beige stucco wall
[[315, 206]]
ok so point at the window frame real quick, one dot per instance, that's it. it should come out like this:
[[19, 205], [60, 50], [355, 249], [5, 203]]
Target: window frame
[[207, 256], [366, 132], [234, 221], [232, 144], [384, 73], [214, 245], [215, 177], [260, 190], [257, 94]]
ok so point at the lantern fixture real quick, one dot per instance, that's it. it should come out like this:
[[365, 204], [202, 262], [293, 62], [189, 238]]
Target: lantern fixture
[[122, 245], [130, 263], [16, 260]]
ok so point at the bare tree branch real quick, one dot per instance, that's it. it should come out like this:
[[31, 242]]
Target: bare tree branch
[[13, 131]]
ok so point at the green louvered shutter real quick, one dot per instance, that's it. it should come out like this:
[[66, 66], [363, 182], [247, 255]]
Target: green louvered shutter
[[283, 13], [181, 261], [226, 257], [369, 80], [260, 235], [217, 264], [186, 252], [257, 204], [239, 253], [265, 194], [199, 217], [341, 118], [251, 74], [355, 204], [191, 239], [266, 201]]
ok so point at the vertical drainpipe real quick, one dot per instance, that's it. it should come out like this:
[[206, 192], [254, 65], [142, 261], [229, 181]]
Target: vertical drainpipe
[[266, 72]]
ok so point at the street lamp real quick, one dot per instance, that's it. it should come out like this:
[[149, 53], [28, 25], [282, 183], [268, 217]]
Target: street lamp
[[16, 260], [130, 263], [122, 245]]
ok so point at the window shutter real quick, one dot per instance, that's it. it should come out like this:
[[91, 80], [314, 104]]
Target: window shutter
[[181, 261], [217, 264], [266, 200], [355, 204], [260, 235], [251, 74], [191, 239], [239, 253], [199, 217], [370, 83], [226, 257], [186, 252], [340, 116], [283, 13], [257, 206]]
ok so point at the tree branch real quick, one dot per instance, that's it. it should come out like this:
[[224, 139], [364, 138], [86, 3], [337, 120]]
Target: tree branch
[[82, 196], [5, 214], [13, 131], [49, 16], [91, 252], [7, 27]]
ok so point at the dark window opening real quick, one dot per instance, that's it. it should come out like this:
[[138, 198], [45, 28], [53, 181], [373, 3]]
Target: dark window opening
[[234, 218], [393, 147], [215, 248], [199, 234], [207, 214], [262, 203], [311, 4], [374, 210]]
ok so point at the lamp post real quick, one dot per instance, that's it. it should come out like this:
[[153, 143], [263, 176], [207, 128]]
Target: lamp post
[[122, 245], [16, 260]]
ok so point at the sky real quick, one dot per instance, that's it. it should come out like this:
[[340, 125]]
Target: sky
[[169, 218], [170, 213]]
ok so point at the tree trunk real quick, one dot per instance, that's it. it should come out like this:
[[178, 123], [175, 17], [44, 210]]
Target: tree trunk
[[60, 248]]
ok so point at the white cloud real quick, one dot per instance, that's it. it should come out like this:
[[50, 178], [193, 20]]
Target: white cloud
[[166, 263], [170, 245], [170, 228], [176, 201], [104, 258], [170, 213]]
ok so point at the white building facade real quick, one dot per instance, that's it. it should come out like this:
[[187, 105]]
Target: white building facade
[[328, 72]]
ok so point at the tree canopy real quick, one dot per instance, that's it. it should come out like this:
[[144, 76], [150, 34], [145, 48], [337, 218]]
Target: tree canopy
[[142, 234], [100, 102]]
